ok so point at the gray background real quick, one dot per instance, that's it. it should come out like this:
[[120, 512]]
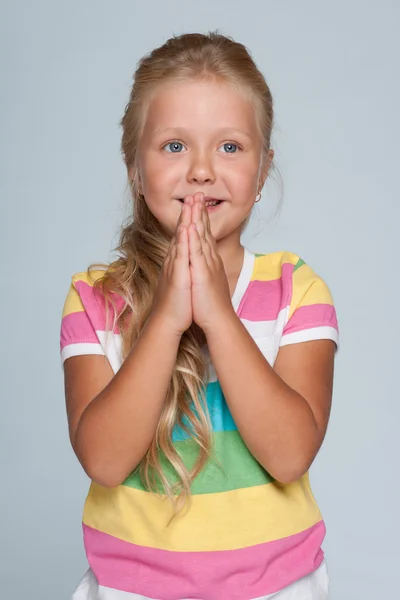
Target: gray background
[[66, 69]]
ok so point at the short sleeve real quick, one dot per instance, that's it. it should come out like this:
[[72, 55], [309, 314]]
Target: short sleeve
[[78, 330], [312, 314]]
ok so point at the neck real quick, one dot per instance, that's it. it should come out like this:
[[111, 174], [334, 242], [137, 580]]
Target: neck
[[232, 254]]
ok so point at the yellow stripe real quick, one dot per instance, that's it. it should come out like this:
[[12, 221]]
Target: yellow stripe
[[269, 267], [73, 302], [308, 288], [222, 521]]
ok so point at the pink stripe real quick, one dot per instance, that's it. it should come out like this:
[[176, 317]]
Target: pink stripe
[[265, 299], [315, 315], [223, 575], [76, 327], [94, 303]]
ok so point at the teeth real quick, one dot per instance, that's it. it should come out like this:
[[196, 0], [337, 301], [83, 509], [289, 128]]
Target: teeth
[[210, 203]]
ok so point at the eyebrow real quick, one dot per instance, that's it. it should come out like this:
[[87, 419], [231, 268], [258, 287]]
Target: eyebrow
[[221, 130]]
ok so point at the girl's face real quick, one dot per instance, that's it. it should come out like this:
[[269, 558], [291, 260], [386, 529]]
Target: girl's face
[[201, 137]]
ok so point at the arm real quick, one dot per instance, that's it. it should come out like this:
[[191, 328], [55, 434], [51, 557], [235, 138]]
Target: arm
[[282, 412], [113, 419]]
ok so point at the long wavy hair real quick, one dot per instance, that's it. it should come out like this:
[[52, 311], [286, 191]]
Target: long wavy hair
[[143, 247]]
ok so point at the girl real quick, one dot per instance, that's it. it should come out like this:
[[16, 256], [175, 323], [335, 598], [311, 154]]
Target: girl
[[198, 375]]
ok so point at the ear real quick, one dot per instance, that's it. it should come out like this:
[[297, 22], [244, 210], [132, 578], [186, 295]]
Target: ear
[[265, 168], [134, 176]]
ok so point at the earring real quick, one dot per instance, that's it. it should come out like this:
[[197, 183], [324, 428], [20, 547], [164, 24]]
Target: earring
[[259, 197]]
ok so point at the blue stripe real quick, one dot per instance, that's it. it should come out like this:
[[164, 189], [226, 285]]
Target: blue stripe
[[221, 418]]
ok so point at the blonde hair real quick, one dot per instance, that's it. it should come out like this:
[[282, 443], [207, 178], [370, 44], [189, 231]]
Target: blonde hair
[[143, 246]]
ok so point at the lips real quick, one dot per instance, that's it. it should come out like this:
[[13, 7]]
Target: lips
[[207, 199]]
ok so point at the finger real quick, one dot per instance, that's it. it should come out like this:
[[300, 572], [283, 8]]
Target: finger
[[169, 262], [186, 214], [184, 218], [202, 235], [182, 246], [198, 207], [205, 217], [210, 240], [170, 247], [180, 219], [173, 239], [196, 255], [168, 256], [189, 199]]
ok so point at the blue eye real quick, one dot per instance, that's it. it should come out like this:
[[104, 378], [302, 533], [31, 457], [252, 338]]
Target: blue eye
[[177, 146], [230, 147]]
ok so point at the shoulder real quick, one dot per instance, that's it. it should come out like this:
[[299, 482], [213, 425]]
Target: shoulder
[[287, 285], [284, 263], [82, 294], [82, 316], [298, 282], [275, 265], [90, 276]]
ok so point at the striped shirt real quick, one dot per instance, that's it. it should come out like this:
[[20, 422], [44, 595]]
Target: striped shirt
[[245, 535]]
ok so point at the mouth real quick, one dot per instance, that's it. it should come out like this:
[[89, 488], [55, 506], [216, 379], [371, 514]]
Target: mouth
[[211, 203]]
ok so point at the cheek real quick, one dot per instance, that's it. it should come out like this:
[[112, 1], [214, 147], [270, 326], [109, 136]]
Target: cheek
[[151, 175], [245, 183], [246, 173], [157, 176]]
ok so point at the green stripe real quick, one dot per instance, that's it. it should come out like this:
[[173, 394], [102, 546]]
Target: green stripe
[[299, 263], [238, 468]]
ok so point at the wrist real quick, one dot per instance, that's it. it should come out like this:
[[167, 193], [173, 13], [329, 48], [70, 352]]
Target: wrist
[[222, 321], [162, 325]]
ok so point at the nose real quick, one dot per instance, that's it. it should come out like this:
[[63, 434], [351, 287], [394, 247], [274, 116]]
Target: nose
[[201, 169]]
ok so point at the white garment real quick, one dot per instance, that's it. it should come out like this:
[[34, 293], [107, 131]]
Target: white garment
[[312, 587]]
